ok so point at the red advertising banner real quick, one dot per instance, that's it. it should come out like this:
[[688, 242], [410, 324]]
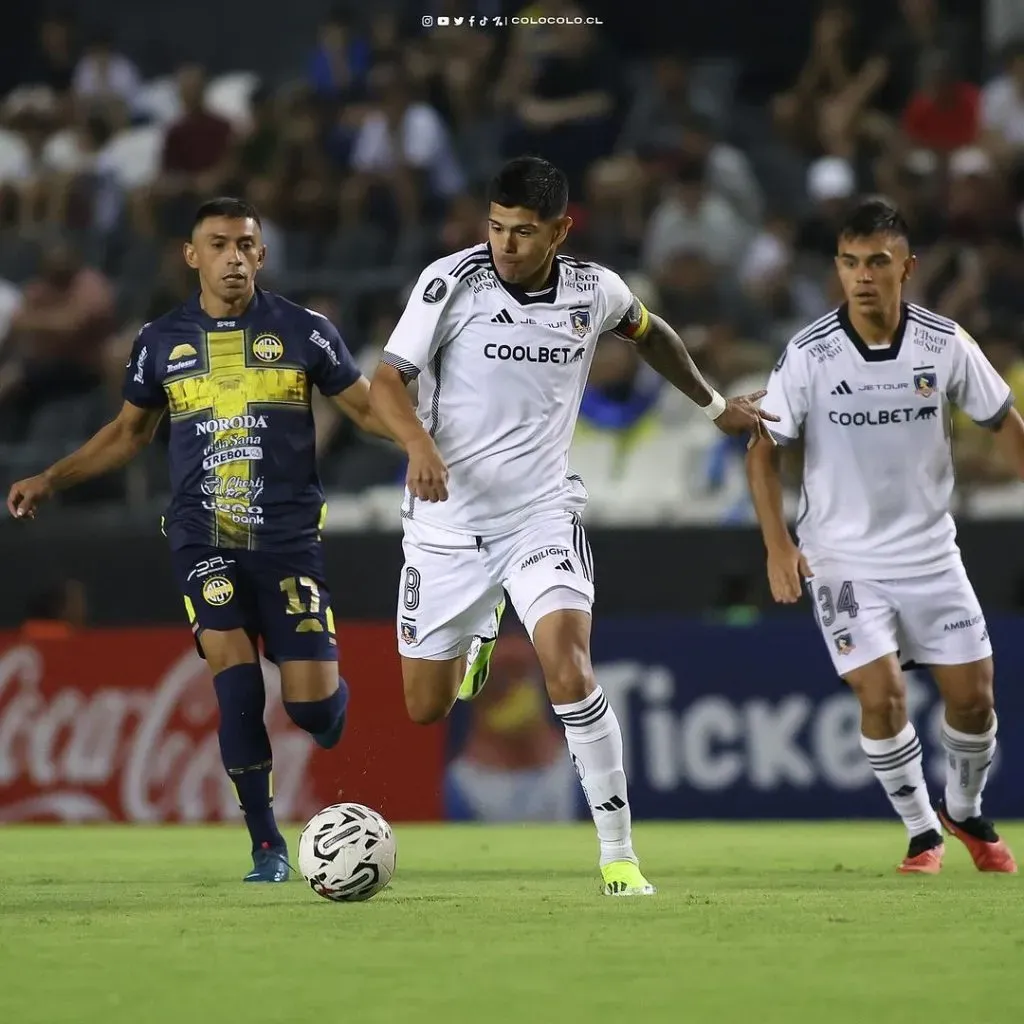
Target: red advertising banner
[[121, 725]]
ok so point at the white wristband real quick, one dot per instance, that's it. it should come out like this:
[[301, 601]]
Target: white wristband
[[715, 407]]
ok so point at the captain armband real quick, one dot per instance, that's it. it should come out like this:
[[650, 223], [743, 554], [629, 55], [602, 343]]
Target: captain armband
[[636, 323]]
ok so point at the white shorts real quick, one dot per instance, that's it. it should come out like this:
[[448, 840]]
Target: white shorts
[[930, 620], [452, 583]]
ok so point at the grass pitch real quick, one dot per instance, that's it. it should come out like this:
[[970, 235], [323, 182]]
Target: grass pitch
[[767, 923]]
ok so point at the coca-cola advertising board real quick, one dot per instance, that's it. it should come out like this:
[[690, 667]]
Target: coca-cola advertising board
[[121, 725]]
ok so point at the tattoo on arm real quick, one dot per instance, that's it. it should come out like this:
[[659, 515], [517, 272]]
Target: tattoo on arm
[[663, 350]]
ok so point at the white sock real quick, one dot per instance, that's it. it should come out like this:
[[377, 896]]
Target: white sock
[[595, 743], [967, 765], [899, 766]]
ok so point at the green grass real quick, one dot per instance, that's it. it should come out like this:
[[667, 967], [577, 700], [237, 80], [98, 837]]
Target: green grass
[[754, 924]]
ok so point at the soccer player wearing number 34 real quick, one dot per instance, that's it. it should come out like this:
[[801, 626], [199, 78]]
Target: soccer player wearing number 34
[[870, 387], [500, 339]]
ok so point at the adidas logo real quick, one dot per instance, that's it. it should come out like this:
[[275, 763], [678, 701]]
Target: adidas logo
[[904, 791], [565, 566], [843, 389], [504, 317], [615, 804]]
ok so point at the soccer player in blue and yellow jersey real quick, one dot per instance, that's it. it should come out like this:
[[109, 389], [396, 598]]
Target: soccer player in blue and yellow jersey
[[234, 367]]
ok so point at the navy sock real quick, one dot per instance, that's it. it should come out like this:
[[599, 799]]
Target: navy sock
[[245, 749], [323, 719]]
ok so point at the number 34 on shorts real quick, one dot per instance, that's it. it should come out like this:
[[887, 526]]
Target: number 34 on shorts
[[932, 620]]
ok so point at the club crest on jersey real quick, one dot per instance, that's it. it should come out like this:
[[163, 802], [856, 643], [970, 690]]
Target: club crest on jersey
[[408, 631], [925, 384], [844, 643], [580, 320], [268, 348], [435, 291]]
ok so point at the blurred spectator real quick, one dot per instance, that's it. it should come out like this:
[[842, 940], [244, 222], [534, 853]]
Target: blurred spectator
[[56, 340], [338, 66], [448, 68], [102, 75], [404, 149], [696, 297], [622, 390], [1002, 105], [831, 185], [771, 281], [196, 153], [53, 63], [828, 109], [568, 112], [975, 199], [664, 99], [691, 217], [304, 196], [922, 29], [728, 170], [463, 226], [944, 114], [30, 118], [82, 193]]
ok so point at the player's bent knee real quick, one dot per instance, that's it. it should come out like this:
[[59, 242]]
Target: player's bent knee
[[226, 648]]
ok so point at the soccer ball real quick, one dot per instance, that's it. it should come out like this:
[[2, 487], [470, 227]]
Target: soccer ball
[[347, 853]]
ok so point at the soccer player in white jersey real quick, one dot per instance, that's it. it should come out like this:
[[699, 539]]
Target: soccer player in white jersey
[[870, 387], [500, 338]]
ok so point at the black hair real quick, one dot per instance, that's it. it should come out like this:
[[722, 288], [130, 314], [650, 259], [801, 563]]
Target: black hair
[[226, 206], [532, 183], [874, 216]]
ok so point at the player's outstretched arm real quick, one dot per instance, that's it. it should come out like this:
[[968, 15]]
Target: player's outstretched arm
[[110, 448], [663, 350], [1010, 439], [354, 402], [427, 476], [787, 567]]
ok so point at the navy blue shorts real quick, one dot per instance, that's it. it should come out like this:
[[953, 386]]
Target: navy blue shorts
[[279, 597]]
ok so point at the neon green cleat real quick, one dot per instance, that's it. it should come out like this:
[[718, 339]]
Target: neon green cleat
[[623, 878], [478, 661]]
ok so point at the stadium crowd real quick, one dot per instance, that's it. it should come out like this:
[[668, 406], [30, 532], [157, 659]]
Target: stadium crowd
[[371, 159]]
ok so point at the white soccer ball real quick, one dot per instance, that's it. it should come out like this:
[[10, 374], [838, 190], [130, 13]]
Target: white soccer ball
[[347, 853]]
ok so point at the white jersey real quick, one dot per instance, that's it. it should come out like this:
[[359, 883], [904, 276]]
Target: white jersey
[[501, 375], [878, 468]]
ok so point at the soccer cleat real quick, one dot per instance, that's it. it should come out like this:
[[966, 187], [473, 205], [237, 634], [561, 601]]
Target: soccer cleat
[[623, 878], [924, 855], [269, 864], [478, 661], [987, 850]]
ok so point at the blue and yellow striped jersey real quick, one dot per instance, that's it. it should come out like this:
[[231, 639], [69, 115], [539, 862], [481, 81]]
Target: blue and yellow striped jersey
[[242, 439]]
